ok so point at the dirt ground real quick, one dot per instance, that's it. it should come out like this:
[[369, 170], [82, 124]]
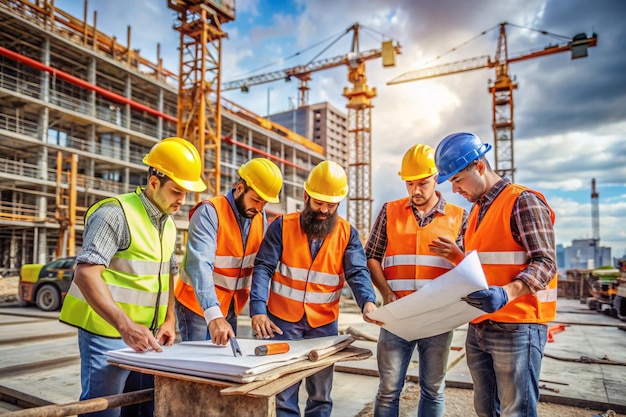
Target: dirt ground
[[8, 289], [459, 404], [458, 401]]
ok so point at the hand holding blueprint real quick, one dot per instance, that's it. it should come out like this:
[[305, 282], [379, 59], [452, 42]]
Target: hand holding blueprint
[[437, 307]]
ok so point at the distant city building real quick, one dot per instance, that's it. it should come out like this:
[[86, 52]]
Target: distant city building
[[586, 254], [560, 256], [322, 123]]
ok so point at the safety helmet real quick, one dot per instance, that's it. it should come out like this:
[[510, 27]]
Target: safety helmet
[[264, 177], [418, 162], [456, 151], [327, 182], [179, 160]]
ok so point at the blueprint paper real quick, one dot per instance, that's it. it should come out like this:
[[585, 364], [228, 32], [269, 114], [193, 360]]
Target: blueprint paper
[[437, 307], [207, 360]]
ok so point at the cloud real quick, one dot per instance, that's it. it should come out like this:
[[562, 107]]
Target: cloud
[[569, 115]]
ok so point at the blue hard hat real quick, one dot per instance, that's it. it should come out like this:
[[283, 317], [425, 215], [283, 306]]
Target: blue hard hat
[[456, 151]]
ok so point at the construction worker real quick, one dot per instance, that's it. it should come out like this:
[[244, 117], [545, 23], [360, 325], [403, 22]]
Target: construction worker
[[224, 236], [299, 275], [120, 293], [511, 228], [400, 262]]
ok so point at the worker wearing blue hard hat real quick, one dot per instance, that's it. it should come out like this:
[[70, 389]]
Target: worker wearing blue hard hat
[[511, 228]]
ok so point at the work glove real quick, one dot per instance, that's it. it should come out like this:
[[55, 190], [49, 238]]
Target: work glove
[[489, 300]]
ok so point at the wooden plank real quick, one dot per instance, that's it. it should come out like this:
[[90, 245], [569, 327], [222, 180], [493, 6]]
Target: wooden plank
[[86, 406], [180, 397], [44, 330], [43, 350], [284, 372]]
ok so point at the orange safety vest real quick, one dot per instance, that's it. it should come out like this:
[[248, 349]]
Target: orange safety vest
[[408, 263], [302, 285], [502, 259], [232, 269]]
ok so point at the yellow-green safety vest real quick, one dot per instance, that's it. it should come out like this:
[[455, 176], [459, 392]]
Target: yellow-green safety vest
[[137, 277]]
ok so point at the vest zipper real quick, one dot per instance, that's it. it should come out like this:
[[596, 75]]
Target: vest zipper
[[154, 327]]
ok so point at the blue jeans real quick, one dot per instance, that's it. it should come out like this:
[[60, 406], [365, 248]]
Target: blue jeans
[[99, 378], [393, 354], [505, 361], [193, 327], [319, 385]]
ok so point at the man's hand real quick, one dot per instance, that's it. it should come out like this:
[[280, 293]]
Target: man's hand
[[489, 300], [166, 336], [220, 330], [447, 248], [264, 327], [139, 338], [389, 297], [368, 308]]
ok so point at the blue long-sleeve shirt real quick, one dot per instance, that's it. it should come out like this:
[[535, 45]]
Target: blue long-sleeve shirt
[[354, 264], [200, 257]]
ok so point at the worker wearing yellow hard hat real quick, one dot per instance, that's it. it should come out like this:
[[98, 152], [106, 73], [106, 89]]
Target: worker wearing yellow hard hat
[[325, 248], [224, 235], [401, 262], [118, 297]]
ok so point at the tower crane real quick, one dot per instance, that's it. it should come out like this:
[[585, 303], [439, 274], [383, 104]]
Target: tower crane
[[502, 88], [199, 79], [595, 222], [359, 115]]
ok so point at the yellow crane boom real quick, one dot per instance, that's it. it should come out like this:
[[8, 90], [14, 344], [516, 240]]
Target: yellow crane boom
[[502, 88]]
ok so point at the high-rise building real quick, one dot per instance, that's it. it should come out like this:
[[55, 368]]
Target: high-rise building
[[322, 123], [583, 254]]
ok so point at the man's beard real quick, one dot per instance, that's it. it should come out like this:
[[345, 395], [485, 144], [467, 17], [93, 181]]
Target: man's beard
[[241, 207], [317, 228]]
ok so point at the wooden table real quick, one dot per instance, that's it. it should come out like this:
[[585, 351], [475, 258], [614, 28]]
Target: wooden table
[[190, 396]]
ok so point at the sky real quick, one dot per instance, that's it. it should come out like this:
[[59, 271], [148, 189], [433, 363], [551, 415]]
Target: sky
[[569, 115]]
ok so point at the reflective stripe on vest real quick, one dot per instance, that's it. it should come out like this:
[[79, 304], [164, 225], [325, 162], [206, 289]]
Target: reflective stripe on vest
[[502, 259], [137, 277], [409, 264], [303, 296], [125, 295], [233, 265], [303, 286]]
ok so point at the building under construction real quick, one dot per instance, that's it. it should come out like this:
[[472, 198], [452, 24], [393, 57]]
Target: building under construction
[[78, 111]]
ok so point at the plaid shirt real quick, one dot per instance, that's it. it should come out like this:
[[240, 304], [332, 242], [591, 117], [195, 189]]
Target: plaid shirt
[[377, 243], [532, 229]]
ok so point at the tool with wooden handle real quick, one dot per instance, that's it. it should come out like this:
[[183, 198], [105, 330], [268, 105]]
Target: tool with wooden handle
[[317, 354]]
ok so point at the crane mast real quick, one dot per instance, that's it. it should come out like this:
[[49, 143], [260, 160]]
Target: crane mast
[[501, 88], [359, 107], [199, 108], [502, 109]]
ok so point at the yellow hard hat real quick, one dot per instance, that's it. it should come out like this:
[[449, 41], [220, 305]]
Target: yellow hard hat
[[179, 160], [418, 162], [264, 177], [327, 182]]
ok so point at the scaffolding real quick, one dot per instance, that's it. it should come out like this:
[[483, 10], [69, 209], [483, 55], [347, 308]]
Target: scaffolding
[[71, 95]]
